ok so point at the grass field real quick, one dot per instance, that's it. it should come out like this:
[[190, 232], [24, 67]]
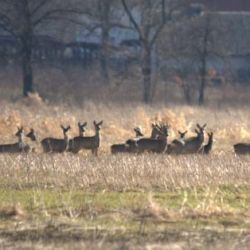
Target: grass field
[[124, 201]]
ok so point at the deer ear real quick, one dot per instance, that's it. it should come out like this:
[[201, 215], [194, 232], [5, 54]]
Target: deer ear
[[204, 125], [85, 124], [198, 125], [100, 123], [68, 128], [94, 122]]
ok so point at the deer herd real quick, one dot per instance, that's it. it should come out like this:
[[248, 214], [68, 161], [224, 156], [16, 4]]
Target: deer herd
[[157, 142]]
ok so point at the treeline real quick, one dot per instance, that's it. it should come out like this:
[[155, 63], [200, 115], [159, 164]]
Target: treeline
[[169, 29]]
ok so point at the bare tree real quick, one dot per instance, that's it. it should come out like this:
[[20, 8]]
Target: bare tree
[[202, 36], [149, 18], [192, 44], [101, 17], [23, 19]]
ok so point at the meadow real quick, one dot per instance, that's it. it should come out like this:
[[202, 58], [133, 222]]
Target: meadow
[[124, 201]]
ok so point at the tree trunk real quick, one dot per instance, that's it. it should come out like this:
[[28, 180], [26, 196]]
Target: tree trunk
[[104, 10], [26, 36], [104, 56], [187, 93], [147, 77], [27, 70], [203, 74]]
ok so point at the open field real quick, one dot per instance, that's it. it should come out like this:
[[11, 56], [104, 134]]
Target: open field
[[148, 201], [124, 201]]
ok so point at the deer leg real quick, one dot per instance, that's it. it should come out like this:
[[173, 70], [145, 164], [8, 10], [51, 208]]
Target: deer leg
[[95, 151]]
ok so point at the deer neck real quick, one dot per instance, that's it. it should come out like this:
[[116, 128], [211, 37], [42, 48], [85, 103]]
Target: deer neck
[[66, 138], [210, 141], [201, 136], [80, 133], [20, 139]]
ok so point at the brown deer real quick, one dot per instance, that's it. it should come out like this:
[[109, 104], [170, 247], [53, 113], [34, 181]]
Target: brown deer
[[18, 147], [242, 148], [74, 141], [177, 145], [151, 145], [88, 142], [155, 130], [31, 135], [124, 147], [54, 145], [194, 144], [206, 149]]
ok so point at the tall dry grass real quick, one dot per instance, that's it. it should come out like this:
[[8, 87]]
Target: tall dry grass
[[122, 172], [230, 125]]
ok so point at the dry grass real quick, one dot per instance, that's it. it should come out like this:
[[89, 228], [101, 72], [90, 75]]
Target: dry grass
[[230, 125], [122, 173]]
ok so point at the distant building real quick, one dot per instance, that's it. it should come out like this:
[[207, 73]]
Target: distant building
[[223, 5]]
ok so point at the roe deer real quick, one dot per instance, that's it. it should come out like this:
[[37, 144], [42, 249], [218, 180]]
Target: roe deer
[[152, 145], [242, 148], [138, 132], [53, 145], [193, 144], [81, 128], [177, 145], [72, 142], [31, 135], [124, 147], [155, 130], [208, 147], [88, 142], [15, 147]]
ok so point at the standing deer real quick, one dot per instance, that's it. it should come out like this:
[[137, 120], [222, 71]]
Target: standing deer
[[242, 148], [152, 145], [177, 145], [81, 128], [194, 144], [124, 147], [53, 145], [88, 142], [155, 130], [16, 147], [206, 149], [32, 136]]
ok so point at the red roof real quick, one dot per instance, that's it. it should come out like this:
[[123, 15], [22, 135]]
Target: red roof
[[225, 5]]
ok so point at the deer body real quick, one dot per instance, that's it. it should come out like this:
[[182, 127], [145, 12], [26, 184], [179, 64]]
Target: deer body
[[87, 142], [177, 145], [53, 145], [206, 149], [242, 148], [125, 147], [75, 141], [194, 144], [18, 147], [151, 145]]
